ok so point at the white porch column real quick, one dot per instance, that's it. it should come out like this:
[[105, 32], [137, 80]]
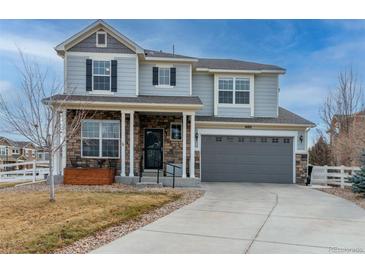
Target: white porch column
[[122, 156], [131, 144], [184, 146], [56, 142], [64, 140], [192, 146]]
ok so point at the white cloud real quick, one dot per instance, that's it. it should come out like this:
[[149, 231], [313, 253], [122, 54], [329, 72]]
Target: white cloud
[[34, 47]]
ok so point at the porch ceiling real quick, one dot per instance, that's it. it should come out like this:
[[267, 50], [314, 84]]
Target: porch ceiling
[[138, 103]]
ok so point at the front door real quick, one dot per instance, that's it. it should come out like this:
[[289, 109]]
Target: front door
[[153, 143]]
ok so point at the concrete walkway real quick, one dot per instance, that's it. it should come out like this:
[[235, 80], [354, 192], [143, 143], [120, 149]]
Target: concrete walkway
[[252, 218]]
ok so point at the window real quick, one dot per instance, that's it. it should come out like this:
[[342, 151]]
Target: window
[[218, 139], [101, 75], [100, 139], [275, 140], [164, 76], [176, 131], [101, 39], [225, 91], [230, 139], [263, 140], [241, 139], [234, 91], [286, 141], [242, 93], [3, 150], [15, 151]]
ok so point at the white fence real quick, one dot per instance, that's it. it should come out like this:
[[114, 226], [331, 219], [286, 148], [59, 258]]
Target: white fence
[[334, 175], [38, 171]]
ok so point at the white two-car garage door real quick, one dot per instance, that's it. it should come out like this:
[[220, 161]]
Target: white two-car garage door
[[247, 159]]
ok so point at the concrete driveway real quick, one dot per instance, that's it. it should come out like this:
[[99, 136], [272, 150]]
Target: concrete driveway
[[253, 218]]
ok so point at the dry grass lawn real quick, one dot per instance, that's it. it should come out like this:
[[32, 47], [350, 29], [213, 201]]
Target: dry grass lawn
[[29, 223]]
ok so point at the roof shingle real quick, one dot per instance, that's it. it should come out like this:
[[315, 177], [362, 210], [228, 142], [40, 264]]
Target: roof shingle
[[285, 117]]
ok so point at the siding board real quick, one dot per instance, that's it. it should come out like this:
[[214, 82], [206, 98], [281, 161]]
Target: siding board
[[203, 86], [182, 87], [266, 95]]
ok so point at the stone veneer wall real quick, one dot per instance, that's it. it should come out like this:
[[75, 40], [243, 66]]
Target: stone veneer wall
[[301, 167], [172, 149]]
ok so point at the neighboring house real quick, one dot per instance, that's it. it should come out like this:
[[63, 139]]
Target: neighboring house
[[8, 153], [16, 151], [341, 124], [347, 138], [219, 119]]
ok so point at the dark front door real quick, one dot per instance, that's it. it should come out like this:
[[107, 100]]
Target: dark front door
[[153, 143]]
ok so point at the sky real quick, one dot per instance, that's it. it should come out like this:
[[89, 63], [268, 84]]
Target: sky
[[313, 52]]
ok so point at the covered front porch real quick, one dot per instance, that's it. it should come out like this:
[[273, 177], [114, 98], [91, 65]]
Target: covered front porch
[[135, 142]]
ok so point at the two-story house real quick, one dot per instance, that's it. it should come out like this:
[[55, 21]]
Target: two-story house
[[218, 119]]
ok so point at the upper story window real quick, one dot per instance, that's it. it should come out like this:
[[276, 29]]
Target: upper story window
[[164, 76], [226, 91], [3, 150], [101, 75], [101, 39], [234, 90]]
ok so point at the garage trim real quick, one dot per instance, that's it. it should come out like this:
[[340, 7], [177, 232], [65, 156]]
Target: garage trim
[[248, 132]]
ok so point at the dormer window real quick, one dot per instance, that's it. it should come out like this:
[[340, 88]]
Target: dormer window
[[101, 39]]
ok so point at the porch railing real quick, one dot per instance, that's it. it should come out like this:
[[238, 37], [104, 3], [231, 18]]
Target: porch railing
[[165, 171]]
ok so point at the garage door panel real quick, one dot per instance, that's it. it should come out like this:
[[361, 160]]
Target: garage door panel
[[247, 159]]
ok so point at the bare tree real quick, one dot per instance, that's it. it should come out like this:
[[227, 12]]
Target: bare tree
[[34, 113], [343, 102], [338, 112]]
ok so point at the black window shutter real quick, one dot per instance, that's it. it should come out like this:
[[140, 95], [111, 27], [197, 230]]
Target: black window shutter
[[155, 76], [89, 74], [114, 75], [173, 76]]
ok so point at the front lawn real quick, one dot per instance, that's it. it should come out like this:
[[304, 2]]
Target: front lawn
[[29, 223]]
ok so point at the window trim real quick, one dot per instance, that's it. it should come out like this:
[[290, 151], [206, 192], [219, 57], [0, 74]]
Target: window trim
[[100, 138], [174, 139], [234, 78], [97, 39], [250, 106], [101, 91], [164, 85]]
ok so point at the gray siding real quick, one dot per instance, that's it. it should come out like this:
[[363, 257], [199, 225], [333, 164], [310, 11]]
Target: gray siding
[[126, 76], [266, 95], [237, 112], [203, 86], [182, 87], [76, 75], [89, 45]]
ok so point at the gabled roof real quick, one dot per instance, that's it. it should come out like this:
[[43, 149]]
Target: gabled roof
[[86, 32], [199, 64], [285, 117], [213, 65]]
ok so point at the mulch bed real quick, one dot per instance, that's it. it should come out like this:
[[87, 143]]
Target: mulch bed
[[90, 243], [347, 194]]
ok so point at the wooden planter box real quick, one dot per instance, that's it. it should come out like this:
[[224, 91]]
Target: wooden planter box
[[88, 176]]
